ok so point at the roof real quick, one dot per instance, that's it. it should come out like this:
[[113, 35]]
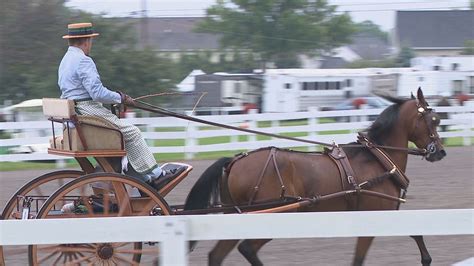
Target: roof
[[176, 33], [434, 29], [25, 104], [369, 46]]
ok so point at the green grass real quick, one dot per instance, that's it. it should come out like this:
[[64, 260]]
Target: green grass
[[13, 166]]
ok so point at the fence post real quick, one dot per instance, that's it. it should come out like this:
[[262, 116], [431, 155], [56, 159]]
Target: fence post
[[252, 125], [313, 122], [174, 248], [467, 130], [190, 141]]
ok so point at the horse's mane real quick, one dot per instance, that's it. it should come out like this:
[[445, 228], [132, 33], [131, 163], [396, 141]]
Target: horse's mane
[[383, 125]]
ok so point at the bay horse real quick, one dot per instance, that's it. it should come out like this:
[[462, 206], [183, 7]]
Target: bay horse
[[377, 167]]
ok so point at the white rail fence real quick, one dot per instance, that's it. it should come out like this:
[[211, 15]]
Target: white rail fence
[[173, 232], [313, 125]]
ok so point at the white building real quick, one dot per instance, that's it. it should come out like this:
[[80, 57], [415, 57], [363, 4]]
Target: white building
[[291, 90], [454, 74]]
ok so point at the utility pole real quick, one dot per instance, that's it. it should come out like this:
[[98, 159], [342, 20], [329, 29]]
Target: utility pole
[[144, 24]]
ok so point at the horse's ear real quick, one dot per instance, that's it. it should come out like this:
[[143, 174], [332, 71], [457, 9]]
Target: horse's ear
[[412, 96], [421, 97]]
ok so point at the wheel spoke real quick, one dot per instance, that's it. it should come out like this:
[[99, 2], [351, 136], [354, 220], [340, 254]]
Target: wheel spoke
[[79, 260], [122, 259], [106, 203], [49, 256], [138, 251], [57, 259]]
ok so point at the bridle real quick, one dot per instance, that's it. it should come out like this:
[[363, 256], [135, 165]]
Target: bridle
[[423, 115]]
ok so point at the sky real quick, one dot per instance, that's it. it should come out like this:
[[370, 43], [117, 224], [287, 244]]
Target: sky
[[380, 12]]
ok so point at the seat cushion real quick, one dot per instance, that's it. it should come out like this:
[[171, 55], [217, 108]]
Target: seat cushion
[[98, 133]]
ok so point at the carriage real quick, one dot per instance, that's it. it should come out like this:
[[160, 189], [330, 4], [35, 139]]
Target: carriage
[[100, 190]]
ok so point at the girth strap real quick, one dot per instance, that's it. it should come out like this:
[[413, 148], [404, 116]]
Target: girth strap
[[346, 173], [338, 154]]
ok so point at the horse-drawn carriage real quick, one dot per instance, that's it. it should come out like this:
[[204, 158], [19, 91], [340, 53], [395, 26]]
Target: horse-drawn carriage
[[367, 175]]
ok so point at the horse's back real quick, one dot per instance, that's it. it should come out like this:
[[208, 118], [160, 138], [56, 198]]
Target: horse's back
[[255, 176]]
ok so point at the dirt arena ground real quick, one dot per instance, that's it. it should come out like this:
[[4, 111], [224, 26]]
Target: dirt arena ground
[[448, 184]]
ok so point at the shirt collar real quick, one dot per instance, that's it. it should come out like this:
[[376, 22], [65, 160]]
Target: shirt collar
[[75, 49]]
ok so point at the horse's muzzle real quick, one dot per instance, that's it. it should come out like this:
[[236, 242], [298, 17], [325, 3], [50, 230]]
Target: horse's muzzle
[[435, 155]]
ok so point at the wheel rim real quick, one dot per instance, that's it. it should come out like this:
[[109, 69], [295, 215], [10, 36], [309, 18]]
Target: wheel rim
[[116, 201], [38, 188]]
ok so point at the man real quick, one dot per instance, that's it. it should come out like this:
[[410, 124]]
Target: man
[[79, 80]]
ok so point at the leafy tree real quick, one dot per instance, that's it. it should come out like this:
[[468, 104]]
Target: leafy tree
[[369, 27], [402, 60], [468, 47], [31, 49], [404, 57], [278, 30]]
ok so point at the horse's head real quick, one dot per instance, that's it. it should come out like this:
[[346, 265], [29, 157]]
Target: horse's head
[[422, 122]]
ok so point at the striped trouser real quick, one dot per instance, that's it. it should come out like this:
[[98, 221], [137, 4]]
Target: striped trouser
[[138, 153]]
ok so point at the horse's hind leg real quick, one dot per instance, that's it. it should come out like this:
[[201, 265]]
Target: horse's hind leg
[[425, 255], [249, 248], [363, 245], [220, 251]]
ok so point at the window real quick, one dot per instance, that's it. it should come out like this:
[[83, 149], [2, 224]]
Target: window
[[323, 85], [455, 66], [457, 86], [348, 82], [237, 87], [471, 84], [287, 85], [436, 68]]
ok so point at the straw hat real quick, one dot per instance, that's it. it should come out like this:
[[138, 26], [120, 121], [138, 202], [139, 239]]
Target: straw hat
[[80, 30]]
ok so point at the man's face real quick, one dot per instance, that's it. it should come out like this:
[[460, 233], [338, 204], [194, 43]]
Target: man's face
[[88, 46]]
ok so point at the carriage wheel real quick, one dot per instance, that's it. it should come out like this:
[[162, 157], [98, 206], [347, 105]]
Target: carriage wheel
[[38, 190], [119, 196]]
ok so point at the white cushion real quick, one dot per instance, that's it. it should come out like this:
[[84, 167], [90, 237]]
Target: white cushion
[[58, 108]]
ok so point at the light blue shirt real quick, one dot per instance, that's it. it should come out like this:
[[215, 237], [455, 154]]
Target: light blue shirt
[[78, 79]]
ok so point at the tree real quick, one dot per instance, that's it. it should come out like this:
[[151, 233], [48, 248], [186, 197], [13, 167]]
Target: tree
[[468, 47], [369, 27], [31, 49], [404, 57], [278, 30]]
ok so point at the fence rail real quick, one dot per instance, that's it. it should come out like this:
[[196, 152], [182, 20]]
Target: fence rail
[[323, 126], [173, 232]]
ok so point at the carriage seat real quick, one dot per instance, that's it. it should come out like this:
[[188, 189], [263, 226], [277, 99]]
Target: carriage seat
[[98, 133]]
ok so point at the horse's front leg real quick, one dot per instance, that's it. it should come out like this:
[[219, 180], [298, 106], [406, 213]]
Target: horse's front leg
[[363, 245], [425, 255], [220, 251], [249, 248]]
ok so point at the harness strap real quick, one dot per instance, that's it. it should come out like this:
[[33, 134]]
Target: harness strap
[[398, 176], [272, 158], [342, 162]]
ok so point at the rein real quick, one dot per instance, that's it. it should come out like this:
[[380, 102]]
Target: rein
[[155, 109]]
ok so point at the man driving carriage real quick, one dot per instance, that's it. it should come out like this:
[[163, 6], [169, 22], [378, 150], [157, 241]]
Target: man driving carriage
[[79, 80]]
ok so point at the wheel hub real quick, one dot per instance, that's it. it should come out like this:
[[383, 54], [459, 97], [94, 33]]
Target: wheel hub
[[105, 251]]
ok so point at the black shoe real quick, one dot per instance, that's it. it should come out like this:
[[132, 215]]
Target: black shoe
[[166, 177]]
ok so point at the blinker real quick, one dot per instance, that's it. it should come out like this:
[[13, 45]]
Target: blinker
[[421, 109]]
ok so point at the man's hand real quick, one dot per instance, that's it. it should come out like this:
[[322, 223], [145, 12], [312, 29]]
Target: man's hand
[[126, 99]]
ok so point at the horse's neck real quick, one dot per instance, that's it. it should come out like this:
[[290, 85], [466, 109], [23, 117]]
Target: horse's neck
[[400, 158]]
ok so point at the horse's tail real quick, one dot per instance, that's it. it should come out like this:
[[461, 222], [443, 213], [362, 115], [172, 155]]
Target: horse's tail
[[200, 195]]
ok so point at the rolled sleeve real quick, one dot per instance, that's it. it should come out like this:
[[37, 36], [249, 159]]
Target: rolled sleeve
[[90, 79]]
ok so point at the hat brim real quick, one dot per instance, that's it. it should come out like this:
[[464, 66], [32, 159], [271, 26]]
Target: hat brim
[[80, 36]]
